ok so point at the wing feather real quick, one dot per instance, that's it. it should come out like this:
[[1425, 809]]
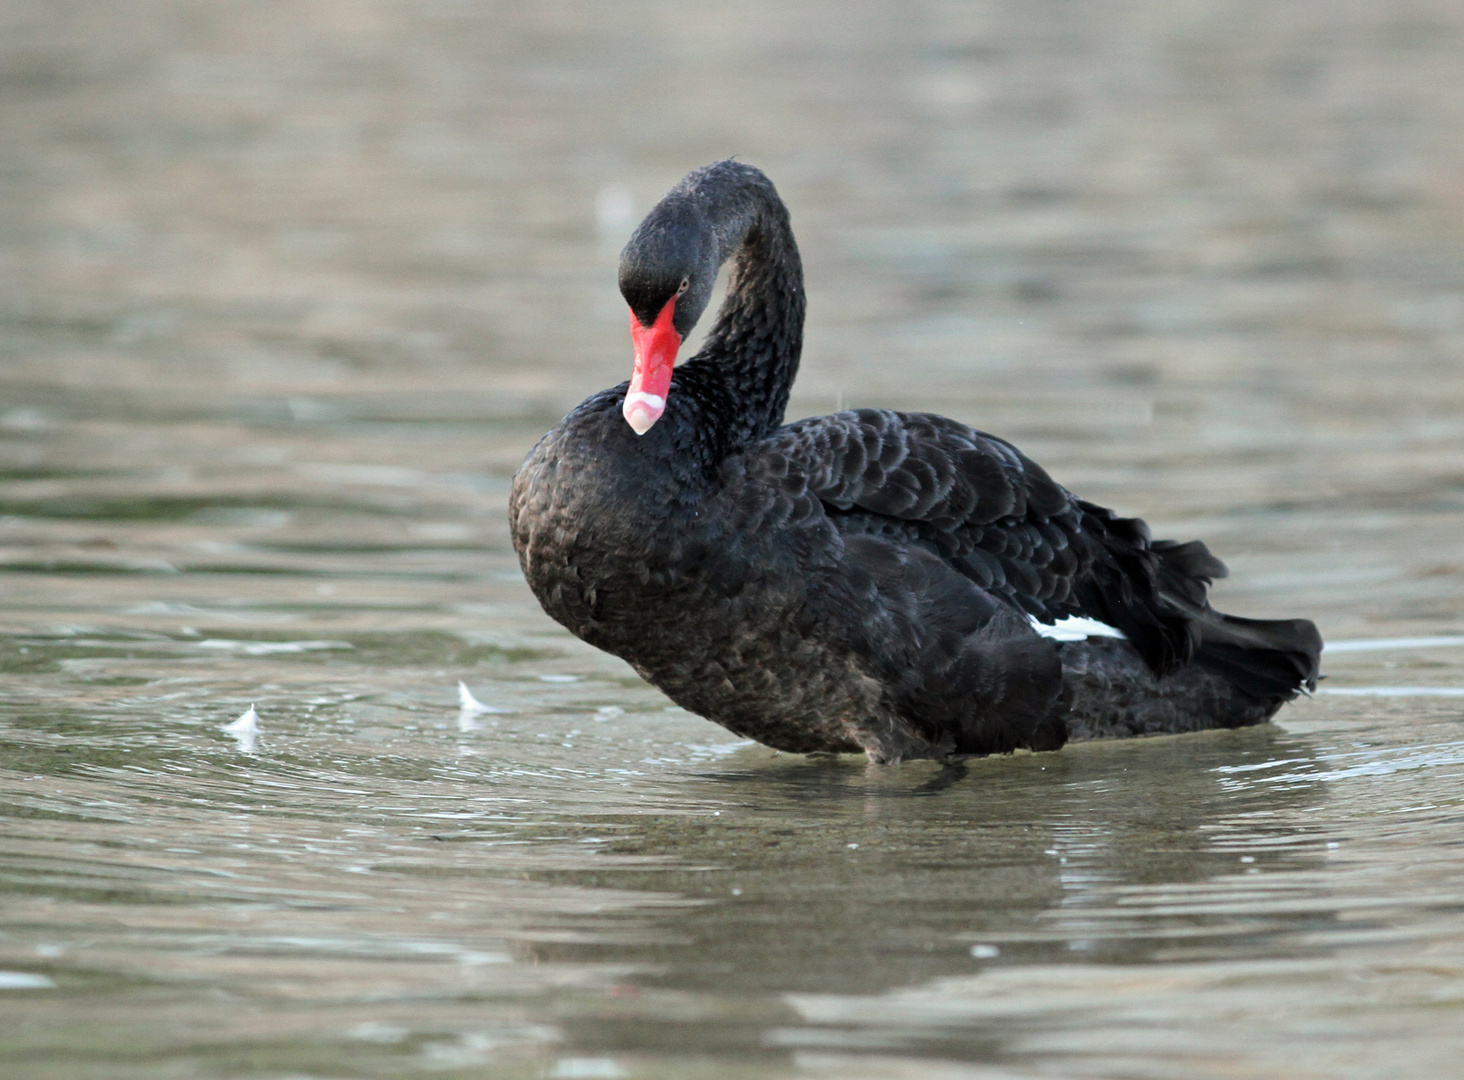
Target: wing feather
[[993, 514]]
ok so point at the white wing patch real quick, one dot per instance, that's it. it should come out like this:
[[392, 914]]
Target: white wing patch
[[1075, 628]]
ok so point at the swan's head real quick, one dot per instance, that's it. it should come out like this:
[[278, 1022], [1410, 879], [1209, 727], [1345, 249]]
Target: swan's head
[[667, 272]]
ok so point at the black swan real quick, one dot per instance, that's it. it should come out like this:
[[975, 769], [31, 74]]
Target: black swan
[[871, 580]]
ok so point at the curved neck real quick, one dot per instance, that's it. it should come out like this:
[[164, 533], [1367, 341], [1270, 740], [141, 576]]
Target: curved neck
[[747, 366]]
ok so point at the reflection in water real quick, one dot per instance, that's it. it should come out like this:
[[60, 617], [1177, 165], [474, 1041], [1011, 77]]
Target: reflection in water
[[1395, 691], [1448, 641], [866, 879], [287, 296]]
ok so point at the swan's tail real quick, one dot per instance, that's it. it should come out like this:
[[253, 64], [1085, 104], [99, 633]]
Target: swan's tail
[[1185, 666], [1268, 660], [1110, 692]]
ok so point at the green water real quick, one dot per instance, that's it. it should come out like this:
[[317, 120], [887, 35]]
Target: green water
[[286, 292]]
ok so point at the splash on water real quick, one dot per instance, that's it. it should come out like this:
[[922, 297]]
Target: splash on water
[[245, 730], [470, 708], [271, 648]]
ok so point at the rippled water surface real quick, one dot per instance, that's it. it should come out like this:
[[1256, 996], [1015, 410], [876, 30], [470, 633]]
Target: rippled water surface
[[287, 291]]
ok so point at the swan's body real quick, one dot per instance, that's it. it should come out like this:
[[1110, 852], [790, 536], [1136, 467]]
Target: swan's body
[[862, 581]]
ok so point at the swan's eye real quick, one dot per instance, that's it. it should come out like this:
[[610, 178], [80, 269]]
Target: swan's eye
[[685, 284]]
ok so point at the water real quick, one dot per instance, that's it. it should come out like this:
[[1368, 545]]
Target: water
[[285, 295]]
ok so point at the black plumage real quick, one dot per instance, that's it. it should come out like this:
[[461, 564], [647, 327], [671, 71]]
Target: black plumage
[[867, 580]]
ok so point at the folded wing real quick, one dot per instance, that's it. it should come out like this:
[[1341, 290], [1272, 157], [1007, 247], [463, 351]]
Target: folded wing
[[994, 516]]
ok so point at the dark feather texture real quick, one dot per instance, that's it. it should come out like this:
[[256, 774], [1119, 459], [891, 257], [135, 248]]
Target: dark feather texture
[[866, 580]]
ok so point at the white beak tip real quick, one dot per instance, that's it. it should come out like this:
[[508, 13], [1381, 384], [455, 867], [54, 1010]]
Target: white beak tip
[[642, 410]]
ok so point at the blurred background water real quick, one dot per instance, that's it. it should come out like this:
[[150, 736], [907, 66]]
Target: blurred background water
[[288, 289]]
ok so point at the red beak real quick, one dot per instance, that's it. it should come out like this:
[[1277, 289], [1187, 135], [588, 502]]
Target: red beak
[[650, 379]]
